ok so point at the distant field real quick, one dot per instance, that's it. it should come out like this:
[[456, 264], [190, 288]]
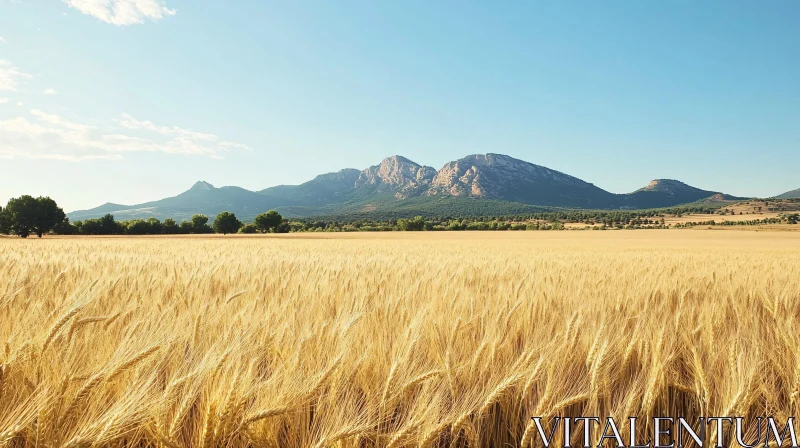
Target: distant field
[[705, 217], [699, 217], [429, 339], [744, 211], [749, 207], [755, 228]]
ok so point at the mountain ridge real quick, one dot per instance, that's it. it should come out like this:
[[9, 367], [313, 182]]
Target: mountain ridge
[[789, 194], [498, 179]]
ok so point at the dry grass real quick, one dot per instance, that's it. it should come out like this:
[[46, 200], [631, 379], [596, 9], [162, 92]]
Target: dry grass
[[392, 340], [702, 217], [754, 228]]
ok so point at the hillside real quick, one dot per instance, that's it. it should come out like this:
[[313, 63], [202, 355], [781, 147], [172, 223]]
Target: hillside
[[320, 191], [789, 194], [202, 197], [495, 176], [668, 192], [479, 185]]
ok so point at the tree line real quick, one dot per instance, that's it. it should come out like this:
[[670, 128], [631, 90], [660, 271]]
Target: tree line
[[26, 215], [224, 223]]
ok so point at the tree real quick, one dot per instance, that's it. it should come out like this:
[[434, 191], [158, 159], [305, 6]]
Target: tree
[[136, 227], [108, 225], [200, 224], [248, 228], [186, 227], [170, 227], [283, 227], [27, 215], [226, 222], [155, 226], [91, 227], [65, 228], [5, 223], [199, 221], [268, 221], [20, 213], [415, 225]]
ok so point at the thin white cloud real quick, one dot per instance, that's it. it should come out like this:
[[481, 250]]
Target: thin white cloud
[[4, 100], [2, 41], [49, 136], [10, 76], [49, 91], [19, 103], [123, 12], [129, 122]]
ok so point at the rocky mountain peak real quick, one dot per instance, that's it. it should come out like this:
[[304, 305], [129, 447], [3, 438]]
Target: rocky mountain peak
[[396, 173], [668, 186], [201, 186], [488, 175], [657, 184]]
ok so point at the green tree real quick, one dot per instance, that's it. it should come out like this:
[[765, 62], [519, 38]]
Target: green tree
[[91, 227], [170, 227], [155, 226], [226, 222], [248, 228], [5, 223], [283, 227], [412, 225], [27, 215], [199, 221], [108, 225], [65, 228], [268, 221], [200, 224], [136, 227], [187, 227]]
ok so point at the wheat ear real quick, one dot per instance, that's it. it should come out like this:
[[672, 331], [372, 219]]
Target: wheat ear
[[58, 325], [122, 368]]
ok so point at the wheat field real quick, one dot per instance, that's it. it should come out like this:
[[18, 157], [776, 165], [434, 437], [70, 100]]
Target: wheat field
[[389, 340]]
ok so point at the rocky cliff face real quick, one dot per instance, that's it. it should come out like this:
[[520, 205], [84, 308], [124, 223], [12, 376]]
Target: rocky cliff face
[[496, 176], [398, 174], [487, 175]]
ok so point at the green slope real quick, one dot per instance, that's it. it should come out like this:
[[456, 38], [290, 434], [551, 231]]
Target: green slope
[[789, 194]]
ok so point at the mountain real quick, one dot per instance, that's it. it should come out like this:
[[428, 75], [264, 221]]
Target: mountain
[[495, 176], [396, 175], [666, 193], [789, 194], [201, 198], [322, 190], [480, 184]]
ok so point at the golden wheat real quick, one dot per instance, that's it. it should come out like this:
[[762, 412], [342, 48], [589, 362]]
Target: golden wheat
[[400, 340]]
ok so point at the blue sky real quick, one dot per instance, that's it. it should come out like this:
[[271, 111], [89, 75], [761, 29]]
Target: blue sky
[[127, 101]]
